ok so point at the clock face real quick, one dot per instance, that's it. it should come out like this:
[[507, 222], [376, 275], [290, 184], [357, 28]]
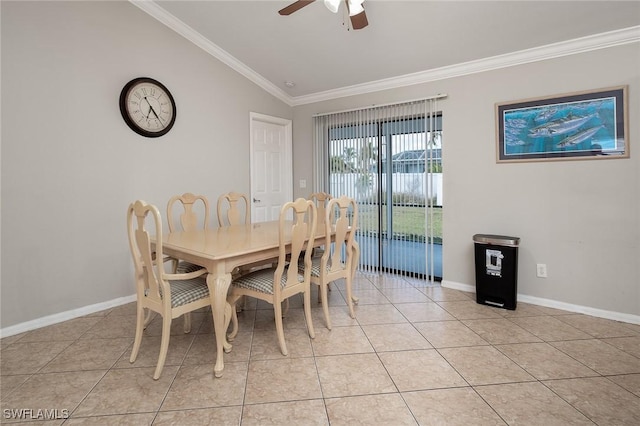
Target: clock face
[[147, 107]]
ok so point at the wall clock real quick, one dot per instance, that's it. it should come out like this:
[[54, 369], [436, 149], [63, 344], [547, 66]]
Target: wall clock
[[147, 107]]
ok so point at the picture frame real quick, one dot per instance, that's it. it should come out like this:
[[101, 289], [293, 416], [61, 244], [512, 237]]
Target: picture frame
[[574, 126]]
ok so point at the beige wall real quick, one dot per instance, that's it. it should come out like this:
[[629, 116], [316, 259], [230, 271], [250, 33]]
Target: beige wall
[[70, 165], [581, 218]]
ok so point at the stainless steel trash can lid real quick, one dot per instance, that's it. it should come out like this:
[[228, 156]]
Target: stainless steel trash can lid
[[498, 240]]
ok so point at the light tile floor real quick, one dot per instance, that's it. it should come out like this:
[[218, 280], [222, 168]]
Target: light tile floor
[[416, 354]]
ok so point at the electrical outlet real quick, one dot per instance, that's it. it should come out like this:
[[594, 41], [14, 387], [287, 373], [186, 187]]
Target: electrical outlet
[[541, 270]]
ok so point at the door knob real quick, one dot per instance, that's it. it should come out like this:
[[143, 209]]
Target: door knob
[[256, 200]]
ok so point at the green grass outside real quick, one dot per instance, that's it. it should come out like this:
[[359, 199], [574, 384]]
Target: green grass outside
[[408, 221]]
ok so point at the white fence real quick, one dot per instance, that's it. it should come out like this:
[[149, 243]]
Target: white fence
[[361, 187]]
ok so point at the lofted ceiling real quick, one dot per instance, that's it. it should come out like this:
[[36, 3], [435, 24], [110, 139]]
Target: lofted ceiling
[[406, 41]]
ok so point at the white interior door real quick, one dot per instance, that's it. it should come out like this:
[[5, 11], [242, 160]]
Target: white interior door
[[271, 168]]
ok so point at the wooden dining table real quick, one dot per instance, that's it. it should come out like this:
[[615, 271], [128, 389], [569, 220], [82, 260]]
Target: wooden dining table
[[220, 251]]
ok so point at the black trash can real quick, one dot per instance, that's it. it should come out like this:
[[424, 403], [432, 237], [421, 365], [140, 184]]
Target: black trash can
[[496, 270]]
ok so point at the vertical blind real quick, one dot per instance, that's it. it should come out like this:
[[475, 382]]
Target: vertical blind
[[387, 158]]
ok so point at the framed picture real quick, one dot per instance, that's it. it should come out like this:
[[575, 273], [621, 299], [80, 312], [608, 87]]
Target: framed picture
[[575, 126]]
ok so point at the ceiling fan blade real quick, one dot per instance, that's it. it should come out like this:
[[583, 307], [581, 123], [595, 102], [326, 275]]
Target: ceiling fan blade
[[359, 21], [295, 6]]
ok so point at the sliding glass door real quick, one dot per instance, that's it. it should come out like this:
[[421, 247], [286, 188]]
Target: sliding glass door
[[391, 164]]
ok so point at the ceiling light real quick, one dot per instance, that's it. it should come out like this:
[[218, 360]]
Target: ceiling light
[[355, 7], [332, 5], [289, 84]]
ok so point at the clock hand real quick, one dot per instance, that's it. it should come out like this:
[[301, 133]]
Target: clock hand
[[150, 107], [151, 110], [157, 117]]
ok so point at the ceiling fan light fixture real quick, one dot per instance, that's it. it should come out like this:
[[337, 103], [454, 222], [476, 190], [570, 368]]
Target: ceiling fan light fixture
[[332, 5], [355, 7]]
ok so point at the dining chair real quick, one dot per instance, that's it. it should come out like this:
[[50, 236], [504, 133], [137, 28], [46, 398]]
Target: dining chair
[[341, 252], [230, 213], [170, 295], [276, 284], [188, 221], [320, 199], [234, 209]]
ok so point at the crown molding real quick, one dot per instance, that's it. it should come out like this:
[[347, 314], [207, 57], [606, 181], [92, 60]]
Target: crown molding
[[160, 14], [542, 53]]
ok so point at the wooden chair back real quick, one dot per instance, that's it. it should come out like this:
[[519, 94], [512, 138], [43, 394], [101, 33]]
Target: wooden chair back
[[233, 209], [148, 271], [189, 220], [321, 199], [342, 216], [302, 232]]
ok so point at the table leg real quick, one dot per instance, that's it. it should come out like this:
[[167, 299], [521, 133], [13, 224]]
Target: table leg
[[218, 287]]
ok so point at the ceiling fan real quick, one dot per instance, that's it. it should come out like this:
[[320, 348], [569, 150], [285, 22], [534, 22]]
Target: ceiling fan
[[354, 7]]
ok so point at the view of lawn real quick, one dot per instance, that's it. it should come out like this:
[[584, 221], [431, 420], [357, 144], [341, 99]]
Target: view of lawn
[[407, 222]]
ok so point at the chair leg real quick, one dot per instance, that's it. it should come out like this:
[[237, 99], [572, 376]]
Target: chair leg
[[277, 311], [187, 322], [325, 304], [228, 315], [234, 320], [350, 298], [354, 266], [233, 317], [164, 345], [243, 304], [147, 318], [140, 324], [307, 312]]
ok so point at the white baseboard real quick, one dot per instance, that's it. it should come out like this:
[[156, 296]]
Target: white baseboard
[[458, 286], [86, 310], [587, 310], [64, 316]]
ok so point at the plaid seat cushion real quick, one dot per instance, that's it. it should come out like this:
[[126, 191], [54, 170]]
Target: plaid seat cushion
[[261, 280], [315, 266], [186, 267], [187, 291]]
